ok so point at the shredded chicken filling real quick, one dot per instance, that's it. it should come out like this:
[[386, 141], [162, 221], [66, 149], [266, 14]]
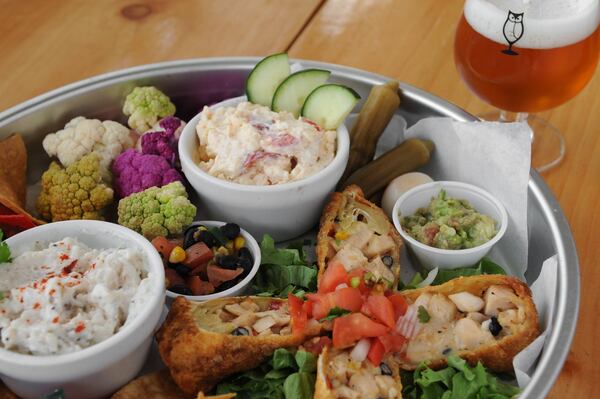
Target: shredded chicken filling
[[350, 379], [437, 324]]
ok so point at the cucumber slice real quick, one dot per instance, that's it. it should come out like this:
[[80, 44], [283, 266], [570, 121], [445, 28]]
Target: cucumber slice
[[292, 92], [329, 105], [265, 77]]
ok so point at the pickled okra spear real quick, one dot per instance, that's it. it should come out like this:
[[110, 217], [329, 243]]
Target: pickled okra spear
[[406, 157], [374, 116]]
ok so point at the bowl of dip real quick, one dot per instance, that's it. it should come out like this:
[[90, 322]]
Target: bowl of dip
[[81, 301], [267, 170], [449, 224]]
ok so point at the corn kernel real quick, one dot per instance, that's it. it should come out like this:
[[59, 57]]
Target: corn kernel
[[177, 255], [229, 245], [222, 251], [341, 235], [239, 242], [202, 228]]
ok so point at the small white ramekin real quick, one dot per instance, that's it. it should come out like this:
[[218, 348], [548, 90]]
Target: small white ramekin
[[481, 200], [240, 288], [283, 210], [101, 369]]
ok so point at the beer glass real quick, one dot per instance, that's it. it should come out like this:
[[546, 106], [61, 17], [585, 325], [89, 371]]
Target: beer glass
[[526, 56]]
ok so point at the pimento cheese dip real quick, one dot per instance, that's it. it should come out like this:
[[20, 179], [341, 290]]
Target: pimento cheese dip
[[250, 144], [67, 296]]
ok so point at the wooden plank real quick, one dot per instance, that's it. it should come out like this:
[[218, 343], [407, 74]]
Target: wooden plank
[[46, 44], [413, 41]]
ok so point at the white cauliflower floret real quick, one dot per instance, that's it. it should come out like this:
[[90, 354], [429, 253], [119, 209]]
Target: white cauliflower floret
[[82, 136]]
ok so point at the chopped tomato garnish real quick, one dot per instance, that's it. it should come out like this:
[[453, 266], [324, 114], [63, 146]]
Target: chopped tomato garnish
[[381, 309], [347, 298], [376, 352], [297, 313], [400, 305], [334, 275], [350, 328], [393, 342]]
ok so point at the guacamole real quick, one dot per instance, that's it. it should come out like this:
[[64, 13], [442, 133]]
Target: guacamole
[[449, 223]]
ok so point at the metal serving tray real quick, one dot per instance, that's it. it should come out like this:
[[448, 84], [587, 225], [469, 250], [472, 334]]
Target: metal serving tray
[[193, 83]]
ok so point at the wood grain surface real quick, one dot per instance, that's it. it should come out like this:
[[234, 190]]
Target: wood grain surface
[[48, 44]]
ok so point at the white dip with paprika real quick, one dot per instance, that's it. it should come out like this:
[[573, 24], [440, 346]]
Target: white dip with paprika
[[250, 144], [67, 296]]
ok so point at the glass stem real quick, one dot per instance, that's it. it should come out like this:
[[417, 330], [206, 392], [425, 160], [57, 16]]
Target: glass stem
[[506, 116]]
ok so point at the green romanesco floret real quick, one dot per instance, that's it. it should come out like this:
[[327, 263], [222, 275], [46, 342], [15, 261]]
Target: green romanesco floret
[[157, 211], [77, 192], [145, 106]]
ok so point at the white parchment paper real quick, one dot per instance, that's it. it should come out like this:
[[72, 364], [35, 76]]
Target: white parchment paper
[[494, 156]]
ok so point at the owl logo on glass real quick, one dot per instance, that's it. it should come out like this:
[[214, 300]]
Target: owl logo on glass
[[513, 31]]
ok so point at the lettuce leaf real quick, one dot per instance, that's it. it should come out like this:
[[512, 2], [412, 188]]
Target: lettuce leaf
[[284, 270], [457, 381], [4, 249]]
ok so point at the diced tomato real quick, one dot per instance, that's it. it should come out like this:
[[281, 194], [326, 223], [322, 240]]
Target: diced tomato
[[360, 274], [350, 328], [392, 342], [347, 298], [173, 278], [218, 275], [400, 305], [381, 309], [164, 246], [297, 313], [321, 304], [316, 345], [334, 275], [307, 308], [376, 352], [199, 286], [196, 255]]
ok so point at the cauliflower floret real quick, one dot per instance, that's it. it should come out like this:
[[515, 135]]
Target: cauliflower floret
[[135, 172], [77, 192], [163, 138], [157, 211], [81, 136], [145, 106]]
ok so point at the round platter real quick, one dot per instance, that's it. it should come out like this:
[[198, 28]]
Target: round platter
[[193, 83]]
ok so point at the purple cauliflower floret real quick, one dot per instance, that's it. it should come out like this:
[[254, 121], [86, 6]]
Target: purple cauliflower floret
[[163, 140], [134, 172]]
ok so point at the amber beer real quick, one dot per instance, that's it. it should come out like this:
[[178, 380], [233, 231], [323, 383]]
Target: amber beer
[[552, 60]]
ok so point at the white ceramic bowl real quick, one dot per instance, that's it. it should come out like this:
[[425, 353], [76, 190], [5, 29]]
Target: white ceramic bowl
[[240, 288], [284, 210], [100, 369], [481, 200]]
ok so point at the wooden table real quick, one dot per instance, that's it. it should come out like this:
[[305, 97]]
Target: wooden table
[[48, 44]]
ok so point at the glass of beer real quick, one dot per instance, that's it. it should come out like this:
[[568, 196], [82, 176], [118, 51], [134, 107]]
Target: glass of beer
[[527, 56]]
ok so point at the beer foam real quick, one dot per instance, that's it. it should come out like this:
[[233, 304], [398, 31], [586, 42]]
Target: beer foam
[[546, 23]]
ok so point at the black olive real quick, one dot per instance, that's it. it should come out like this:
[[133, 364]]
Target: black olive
[[206, 237], [245, 263], [385, 369], [190, 236], [495, 326], [230, 230], [240, 331], [180, 289], [246, 254], [181, 269], [228, 284], [227, 261], [387, 260]]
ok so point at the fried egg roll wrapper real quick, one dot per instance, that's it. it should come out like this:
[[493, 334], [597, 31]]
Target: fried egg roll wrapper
[[349, 212], [323, 385], [375, 115], [199, 349], [498, 354], [410, 155]]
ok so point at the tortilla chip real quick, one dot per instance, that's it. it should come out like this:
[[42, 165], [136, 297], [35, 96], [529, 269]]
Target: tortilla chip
[[13, 175], [157, 385]]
